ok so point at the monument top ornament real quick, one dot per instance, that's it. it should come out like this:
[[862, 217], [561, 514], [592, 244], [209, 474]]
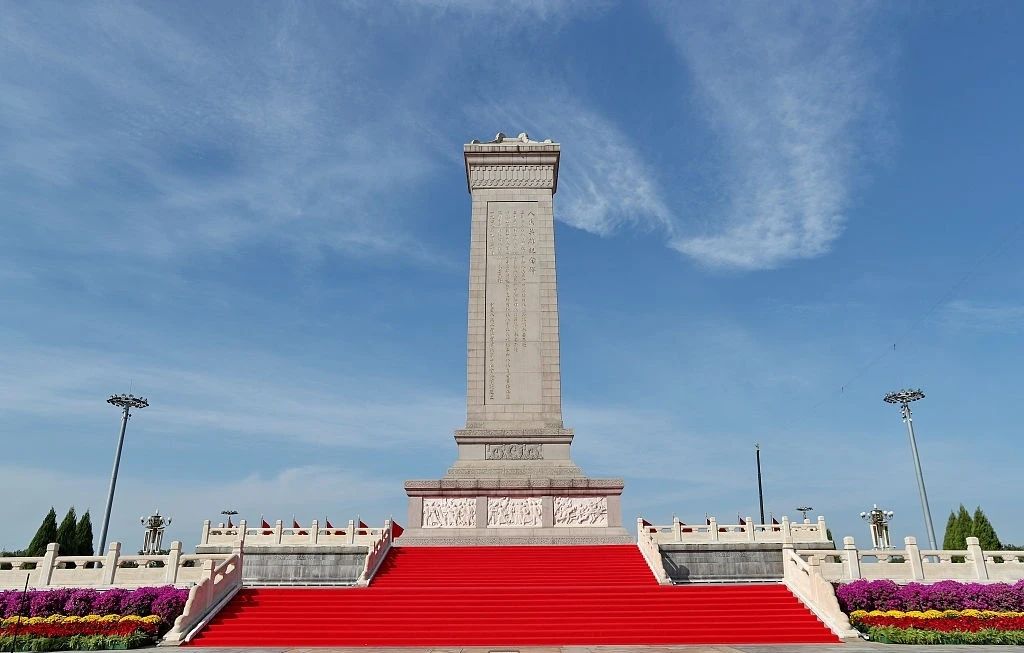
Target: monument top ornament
[[513, 454]]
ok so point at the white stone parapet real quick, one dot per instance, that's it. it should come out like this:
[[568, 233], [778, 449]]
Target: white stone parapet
[[278, 535], [110, 570], [913, 564], [713, 532]]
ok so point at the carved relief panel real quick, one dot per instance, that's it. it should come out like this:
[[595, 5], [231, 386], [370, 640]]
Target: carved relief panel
[[449, 513], [513, 452], [581, 511], [524, 512]]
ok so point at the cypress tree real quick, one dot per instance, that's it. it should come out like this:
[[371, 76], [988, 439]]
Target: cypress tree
[[66, 533], [985, 532], [964, 528], [949, 538], [47, 533], [83, 536]]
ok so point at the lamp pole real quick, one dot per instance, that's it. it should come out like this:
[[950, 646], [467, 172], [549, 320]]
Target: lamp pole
[[760, 490], [803, 510], [904, 398], [878, 521], [125, 403]]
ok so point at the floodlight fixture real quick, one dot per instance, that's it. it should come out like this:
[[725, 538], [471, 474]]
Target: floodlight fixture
[[125, 403], [904, 398]]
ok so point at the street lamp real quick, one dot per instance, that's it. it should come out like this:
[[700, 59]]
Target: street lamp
[[803, 510], [155, 525], [904, 399], [878, 520], [125, 403]]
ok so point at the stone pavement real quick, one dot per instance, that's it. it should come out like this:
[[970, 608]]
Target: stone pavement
[[853, 647]]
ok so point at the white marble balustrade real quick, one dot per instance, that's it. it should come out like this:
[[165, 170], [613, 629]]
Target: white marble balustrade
[[278, 534], [110, 570], [712, 532], [913, 564]]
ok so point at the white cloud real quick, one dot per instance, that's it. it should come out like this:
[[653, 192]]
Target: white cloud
[[788, 89], [1002, 318], [604, 183]]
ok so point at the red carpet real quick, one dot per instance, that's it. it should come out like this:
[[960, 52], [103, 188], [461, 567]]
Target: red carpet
[[514, 596]]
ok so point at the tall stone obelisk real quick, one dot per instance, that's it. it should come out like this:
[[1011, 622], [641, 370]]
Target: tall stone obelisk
[[513, 481]]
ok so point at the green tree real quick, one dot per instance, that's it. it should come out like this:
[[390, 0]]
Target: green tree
[[83, 536], [949, 542], [66, 533], [964, 528], [47, 533], [983, 530]]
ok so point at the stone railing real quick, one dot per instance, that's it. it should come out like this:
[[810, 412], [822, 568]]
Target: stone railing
[[648, 545], [714, 532], [912, 563], [277, 535], [804, 579], [217, 586], [110, 570], [375, 557]]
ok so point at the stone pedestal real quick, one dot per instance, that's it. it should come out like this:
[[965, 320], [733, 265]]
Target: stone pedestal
[[514, 481]]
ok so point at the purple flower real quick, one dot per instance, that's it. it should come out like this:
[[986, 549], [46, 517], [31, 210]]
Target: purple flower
[[943, 595], [48, 602], [109, 601], [169, 604], [80, 601]]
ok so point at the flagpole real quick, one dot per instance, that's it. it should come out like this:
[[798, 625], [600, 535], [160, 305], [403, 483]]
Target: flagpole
[[760, 490]]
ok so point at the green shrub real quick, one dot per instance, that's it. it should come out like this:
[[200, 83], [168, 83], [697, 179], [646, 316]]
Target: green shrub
[[891, 635]]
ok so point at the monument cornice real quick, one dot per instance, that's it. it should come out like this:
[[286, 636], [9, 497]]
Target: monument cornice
[[525, 436], [512, 163]]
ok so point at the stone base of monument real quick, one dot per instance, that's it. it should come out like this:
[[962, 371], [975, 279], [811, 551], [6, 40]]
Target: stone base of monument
[[727, 561], [514, 511]]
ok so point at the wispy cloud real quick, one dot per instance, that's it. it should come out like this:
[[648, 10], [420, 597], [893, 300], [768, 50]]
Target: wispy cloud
[[1001, 318], [789, 91], [604, 183]]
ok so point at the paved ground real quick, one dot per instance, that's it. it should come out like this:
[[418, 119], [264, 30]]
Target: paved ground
[[854, 647]]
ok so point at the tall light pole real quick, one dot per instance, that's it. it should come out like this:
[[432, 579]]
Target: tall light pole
[[904, 398], [125, 403]]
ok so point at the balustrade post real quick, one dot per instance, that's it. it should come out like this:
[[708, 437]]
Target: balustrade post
[[639, 528], [749, 527], [207, 587], [787, 532], [913, 556], [351, 531], [822, 529], [713, 525], [241, 532], [110, 563], [852, 558], [977, 557], [278, 531], [204, 538], [173, 560], [677, 529], [314, 531], [48, 564]]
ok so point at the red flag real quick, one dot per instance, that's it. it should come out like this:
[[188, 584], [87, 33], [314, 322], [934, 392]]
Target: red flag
[[739, 520], [362, 525], [295, 524], [328, 522], [774, 520], [396, 530], [229, 522], [264, 524], [649, 526]]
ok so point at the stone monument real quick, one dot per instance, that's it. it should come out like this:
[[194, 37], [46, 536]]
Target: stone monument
[[514, 481]]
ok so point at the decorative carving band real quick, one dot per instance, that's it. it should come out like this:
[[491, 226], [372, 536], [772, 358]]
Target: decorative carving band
[[449, 512], [513, 452], [512, 176], [522, 512], [581, 511]]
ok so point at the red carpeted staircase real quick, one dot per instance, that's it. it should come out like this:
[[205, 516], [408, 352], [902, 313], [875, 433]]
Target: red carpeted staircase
[[514, 596]]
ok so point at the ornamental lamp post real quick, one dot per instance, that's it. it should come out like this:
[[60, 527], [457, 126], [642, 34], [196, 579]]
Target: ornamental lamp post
[[155, 525], [904, 399], [803, 510], [125, 403], [878, 521]]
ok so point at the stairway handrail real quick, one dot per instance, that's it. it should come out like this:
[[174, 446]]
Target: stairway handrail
[[376, 554], [804, 579], [651, 552], [217, 586]]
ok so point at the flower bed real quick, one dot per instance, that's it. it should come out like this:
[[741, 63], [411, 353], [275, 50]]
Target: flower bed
[[87, 619], [947, 612]]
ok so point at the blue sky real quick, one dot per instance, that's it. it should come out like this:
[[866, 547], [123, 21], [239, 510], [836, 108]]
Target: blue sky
[[256, 216]]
